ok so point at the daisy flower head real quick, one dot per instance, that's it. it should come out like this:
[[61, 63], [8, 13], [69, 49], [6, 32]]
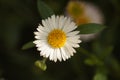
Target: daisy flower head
[[82, 13], [56, 38]]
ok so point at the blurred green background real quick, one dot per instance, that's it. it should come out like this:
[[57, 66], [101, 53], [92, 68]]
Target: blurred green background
[[20, 18]]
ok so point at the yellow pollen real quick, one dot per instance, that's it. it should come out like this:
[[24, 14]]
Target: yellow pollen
[[82, 20], [56, 38], [75, 9]]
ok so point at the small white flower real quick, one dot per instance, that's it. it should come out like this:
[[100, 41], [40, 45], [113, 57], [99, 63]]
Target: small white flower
[[93, 13], [55, 38], [82, 13]]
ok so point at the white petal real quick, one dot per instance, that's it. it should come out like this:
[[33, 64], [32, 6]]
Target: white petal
[[47, 52], [40, 42], [55, 55], [46, 25], [73, 33], [62, 21], [51, 55], [59, 54], [74, 40], [41, 28], [53, 22], [70, 26], [70, 49], [40, 35], [43, 50], [75, 45], [67, 52], [63, 54], [93, 13], [57, 22], [36, 41], [50, 24]]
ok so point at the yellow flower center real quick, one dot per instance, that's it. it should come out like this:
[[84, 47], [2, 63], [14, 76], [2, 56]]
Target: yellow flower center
[[75, 9], [56, 38], [82, 20]]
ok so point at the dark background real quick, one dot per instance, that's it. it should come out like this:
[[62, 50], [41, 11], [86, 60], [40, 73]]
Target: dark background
[[20, 18]]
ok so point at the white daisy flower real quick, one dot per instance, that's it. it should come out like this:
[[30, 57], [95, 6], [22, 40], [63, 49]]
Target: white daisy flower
[[82, 13], [93, 13], [56, 38]]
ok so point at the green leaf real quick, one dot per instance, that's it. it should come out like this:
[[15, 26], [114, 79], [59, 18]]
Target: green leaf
[[93, 60], [113, 63], [28, 45], [89, 62], [41, 65], [101, 50], [44, 10], [100, 76], [107, 51], [101, 73], [90, 28]]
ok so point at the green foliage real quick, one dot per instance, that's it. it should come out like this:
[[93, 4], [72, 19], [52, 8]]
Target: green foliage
[[101, 50], [93, 61], [101, 73], [100, 76], [41, 64], [90, 28], [44, 10], [28, 45]]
